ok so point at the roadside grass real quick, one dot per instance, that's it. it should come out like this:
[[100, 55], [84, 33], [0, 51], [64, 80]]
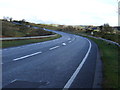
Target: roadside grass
[[12, 43], [52, 28], [112, 37], [109, 55]]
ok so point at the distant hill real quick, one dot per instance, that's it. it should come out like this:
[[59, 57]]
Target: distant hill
[[16, 29]]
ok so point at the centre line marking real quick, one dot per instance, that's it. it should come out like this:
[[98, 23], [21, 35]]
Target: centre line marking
[[54, 47], [64, 43], [27, 56], [68, 38], [73, 39], [13, 80], [70, 81], [70, 41]]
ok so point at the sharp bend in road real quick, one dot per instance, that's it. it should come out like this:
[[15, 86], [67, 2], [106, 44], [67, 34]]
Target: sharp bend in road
[[67, 62]]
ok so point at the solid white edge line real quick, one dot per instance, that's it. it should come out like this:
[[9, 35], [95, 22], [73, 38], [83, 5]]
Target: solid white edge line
[[70, 81], [54, 47], [27, 56]]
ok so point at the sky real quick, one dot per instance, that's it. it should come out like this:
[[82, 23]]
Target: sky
[[67, 12]]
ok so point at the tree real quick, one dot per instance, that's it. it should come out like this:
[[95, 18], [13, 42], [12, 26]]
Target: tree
[[7, 18], [106, 29], [10, 19], [101, 27]]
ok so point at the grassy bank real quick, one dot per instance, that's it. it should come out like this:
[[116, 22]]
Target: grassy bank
[[109, 56], [13, 43], [9, 29], [112, 37]]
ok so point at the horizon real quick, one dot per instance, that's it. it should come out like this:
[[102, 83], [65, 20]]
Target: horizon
[[57, 24]]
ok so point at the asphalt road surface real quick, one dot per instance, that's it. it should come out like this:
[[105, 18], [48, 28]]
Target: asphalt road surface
[[67, 62]]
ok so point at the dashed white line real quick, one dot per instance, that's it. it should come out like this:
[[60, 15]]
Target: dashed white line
[[68, 38], [70, 41], [27, 56], [54, 47], [70, 81], [13, 80], [63, 43], [73, 39]]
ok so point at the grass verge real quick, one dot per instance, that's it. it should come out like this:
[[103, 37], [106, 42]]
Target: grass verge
[[13, 43], [109, 56]]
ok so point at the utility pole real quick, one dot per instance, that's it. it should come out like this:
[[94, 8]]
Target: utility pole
[[119, 13]]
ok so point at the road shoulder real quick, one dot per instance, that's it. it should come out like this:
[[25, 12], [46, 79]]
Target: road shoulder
[[98, 72]]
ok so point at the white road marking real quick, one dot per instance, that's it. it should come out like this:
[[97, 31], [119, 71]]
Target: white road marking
[[70, 81], [70, 41], [64, 43], [68, 38], [73, 39], [13, 80], [27, 56], [54, 47]]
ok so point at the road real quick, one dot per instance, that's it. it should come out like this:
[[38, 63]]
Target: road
[[67, 62], [35, 37]]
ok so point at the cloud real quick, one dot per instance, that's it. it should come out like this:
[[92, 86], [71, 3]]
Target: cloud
[[94, 12]]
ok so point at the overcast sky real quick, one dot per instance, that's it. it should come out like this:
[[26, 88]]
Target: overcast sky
[[69, 12]]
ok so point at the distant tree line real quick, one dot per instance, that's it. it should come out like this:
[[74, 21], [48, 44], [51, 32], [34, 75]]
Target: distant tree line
[[106, 28]]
